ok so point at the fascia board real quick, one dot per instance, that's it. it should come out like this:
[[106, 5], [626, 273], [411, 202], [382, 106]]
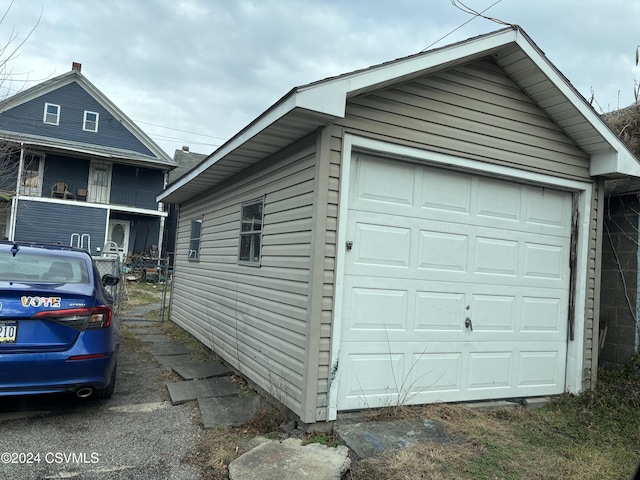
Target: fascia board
[[279, 110], [36, 91], [619, 161], [329, 96]]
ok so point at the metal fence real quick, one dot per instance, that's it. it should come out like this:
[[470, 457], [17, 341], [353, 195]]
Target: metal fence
[[144, 289]]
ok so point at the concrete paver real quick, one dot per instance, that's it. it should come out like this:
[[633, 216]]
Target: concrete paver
[[229, 411], [195, 370], [368, 439], [290, 460], [169, 347], [182, 392]]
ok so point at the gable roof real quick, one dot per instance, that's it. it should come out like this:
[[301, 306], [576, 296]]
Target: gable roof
[[159, 157], [305, 108]]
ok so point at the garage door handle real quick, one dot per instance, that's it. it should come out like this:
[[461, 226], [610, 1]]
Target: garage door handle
[[468, 324]]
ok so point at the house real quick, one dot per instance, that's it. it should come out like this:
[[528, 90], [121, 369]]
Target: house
[[424, 230], [78, 170]]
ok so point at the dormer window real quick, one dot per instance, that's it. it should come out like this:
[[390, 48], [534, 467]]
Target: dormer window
[[90, 121], [51, 114]]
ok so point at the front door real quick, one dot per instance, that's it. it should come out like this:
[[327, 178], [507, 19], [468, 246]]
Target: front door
[[118, 239], [99, 182]]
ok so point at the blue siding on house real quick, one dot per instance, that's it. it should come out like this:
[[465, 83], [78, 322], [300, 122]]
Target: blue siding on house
[[73, 100], [54, 223], [72, 171], [135, 186]]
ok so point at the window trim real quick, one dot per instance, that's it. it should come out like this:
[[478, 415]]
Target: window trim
[[198, 251], [84, 122], [57, 114], [243, 205]]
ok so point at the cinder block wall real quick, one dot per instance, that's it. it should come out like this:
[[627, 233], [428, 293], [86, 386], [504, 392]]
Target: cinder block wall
[[618, 296]]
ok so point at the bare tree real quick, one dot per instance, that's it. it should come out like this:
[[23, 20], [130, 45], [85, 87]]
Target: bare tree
[[10, 83]]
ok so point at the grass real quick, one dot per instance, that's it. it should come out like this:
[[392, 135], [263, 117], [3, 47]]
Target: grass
[[144, 300], [595, 435]]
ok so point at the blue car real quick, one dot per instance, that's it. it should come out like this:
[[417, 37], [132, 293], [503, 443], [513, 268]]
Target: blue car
[[58, 329]]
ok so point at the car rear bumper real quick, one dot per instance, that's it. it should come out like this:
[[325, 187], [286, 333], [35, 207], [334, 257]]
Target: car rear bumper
[[35, 373]]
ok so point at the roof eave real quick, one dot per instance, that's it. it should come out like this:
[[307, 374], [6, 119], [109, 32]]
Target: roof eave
[[327, 99]]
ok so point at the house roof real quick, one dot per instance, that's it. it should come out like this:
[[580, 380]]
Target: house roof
[[303, 109], [159, 157], [186, 160]]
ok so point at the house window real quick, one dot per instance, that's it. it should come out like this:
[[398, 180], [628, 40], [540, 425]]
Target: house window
[[251, 231], [51, 114], [194, 239], [90, 121]]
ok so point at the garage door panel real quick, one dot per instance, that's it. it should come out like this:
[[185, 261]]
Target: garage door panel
[[435, 372], [541, 368], [490, 370], [495, 256], [545, 261], [493, 313], [439, 311], [384, 183], [377, 309], [445, 192], [442, 251], [498, 200], [371, 378], [373, 243], [551, 209], [431, 248], [455, 252], [436, 311]]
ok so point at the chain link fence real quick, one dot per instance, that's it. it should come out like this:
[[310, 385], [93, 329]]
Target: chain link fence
[[144, 290]]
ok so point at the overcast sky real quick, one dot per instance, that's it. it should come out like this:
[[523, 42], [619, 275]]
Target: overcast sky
[[195, 72]]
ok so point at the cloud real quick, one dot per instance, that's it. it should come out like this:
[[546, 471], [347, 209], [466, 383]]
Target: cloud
[[212, 66]]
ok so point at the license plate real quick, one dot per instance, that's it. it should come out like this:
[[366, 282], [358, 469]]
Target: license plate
[[8, 332]]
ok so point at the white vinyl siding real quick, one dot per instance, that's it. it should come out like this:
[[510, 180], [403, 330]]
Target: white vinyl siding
[[256, 319]]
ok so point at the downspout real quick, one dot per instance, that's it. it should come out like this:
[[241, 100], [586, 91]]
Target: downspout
[[14, 200]]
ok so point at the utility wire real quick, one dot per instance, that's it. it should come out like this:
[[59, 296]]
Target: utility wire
[[475, 15], [182, 131]]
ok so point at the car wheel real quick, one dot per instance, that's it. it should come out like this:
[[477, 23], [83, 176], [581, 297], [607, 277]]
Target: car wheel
[[106, 392]]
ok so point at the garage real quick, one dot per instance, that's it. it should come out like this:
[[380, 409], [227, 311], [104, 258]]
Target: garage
[[456, 286], [419, 223]]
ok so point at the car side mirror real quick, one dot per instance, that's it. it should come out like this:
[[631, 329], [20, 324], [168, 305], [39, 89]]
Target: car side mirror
[[109, 280]]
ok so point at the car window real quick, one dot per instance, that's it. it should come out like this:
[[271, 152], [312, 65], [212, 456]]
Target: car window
[[42, 268]]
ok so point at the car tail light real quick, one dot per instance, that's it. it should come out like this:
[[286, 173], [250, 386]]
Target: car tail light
[[80, 318]]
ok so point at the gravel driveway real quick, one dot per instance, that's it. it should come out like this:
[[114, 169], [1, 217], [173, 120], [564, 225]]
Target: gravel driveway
[[136, 434]]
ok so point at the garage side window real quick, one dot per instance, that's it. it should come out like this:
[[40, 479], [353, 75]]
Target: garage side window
[[251, 232], [194, 239]]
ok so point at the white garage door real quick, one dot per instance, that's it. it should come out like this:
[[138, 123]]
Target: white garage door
[[455, 288]]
